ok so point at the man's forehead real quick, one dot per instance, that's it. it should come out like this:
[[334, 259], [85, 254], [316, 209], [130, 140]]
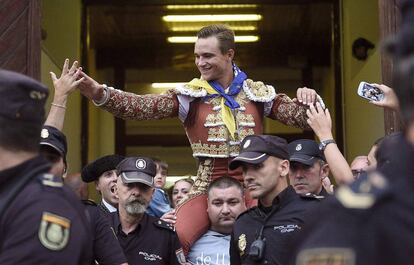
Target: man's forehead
[[209, 44], [224, 193], [108, 172]]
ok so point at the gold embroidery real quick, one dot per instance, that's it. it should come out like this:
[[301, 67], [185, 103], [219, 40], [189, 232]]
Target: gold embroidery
[[259, 91], [204, 172], [218, 134], [245, 120], [245, 132], [141, 107], [213, 120]]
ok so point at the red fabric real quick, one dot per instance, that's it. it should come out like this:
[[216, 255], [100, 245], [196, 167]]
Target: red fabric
[[192, 218]]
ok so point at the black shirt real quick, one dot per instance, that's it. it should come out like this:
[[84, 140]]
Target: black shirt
[[369, 222], [152, 242], [106, 248], [45, 223], [281, 223]]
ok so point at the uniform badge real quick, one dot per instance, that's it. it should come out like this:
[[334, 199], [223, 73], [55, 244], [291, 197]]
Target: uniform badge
[[54, 231], [141, 164], [180, 256], [44, 133], [326, 256], [247, 143], [298, 147], [242, 244]]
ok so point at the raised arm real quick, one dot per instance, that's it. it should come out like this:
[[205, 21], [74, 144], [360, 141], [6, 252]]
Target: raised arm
[[127, 105], [64, 86], [321, 123], [292, 112]]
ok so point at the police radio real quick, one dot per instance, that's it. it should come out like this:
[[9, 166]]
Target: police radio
[[257, 248]]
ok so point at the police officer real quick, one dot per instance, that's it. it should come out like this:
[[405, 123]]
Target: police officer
[[264, 234], [103, 172], [308, 167], [144, 239], [105, 246], [373, 220], [41, 221], [54, 147]]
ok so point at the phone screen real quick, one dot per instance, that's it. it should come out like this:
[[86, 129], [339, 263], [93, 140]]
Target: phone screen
[[372, 93]]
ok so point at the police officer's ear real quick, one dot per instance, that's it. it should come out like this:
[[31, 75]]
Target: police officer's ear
[[324, 171], [284, 166]]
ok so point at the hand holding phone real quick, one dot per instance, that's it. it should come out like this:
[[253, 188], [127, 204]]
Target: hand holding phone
[[370, 92]]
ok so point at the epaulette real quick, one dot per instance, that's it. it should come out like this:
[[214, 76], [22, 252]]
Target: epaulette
[[51, 181], [254, 211], [364, 192], [195, 92], [258, 91], [162, 224], [89, 202], [312, 196]]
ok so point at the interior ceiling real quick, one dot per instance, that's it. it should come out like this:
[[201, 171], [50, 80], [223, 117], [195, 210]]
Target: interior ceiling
[[135, 36]]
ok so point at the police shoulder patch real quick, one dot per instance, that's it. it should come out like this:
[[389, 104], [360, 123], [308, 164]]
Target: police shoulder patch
[[364, 192], [162, 224], [51, 181], [54, 231]]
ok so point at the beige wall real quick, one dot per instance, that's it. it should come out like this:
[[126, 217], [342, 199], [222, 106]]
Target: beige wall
[[363, 122], [61, 20]]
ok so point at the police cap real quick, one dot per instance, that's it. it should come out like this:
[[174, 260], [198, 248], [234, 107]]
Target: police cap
[[305, 151], [21, 98], [137, 169], [255, 149], [50, 136]]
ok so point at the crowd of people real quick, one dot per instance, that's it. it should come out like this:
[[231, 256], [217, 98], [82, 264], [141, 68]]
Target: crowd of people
[[256, 199]]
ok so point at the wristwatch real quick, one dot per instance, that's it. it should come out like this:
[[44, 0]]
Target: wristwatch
[[325, 143]]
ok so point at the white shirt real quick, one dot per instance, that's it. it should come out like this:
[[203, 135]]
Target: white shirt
[[108, 206]]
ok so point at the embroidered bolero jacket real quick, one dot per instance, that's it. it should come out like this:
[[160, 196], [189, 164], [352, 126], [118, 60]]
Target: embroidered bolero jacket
[[207, 133]]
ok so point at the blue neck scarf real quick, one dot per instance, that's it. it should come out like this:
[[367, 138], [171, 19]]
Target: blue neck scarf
[[234, 89]]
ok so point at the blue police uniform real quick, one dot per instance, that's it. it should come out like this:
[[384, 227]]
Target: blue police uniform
[[44, 223], [152, 242], [277, 226], [106, 248], [369, 222]]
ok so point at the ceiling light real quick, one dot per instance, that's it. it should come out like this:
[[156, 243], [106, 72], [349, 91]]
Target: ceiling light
[[201, 18], [166, 85], [197, 28], [218, 6], [192, 39]]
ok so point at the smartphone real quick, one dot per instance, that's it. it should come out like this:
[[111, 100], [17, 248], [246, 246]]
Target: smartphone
[[370, 92]]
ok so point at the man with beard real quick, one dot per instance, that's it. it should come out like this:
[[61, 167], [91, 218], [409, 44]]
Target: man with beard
[[144, 239], [103, 172]]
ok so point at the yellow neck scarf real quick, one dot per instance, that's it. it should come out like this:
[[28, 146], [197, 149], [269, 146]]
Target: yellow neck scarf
[[226, 113]]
